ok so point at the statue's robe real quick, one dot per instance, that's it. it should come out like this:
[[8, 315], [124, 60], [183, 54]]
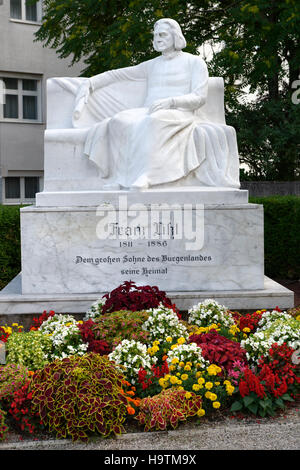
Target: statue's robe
[[134, 148]]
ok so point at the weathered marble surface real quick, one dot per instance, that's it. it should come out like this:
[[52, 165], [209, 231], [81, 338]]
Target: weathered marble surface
[[61, 251]]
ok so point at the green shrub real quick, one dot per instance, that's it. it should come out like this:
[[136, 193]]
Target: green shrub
[[10, 250], [80, 395], [31, 349], [281, 235]]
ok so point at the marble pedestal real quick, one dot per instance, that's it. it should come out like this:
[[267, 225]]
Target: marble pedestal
[[178, 242], [69, 261]]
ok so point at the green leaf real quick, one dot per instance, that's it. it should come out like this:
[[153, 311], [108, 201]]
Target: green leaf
[[279, 402], [287, 397], [236, 406], [248, 400], [253, 407], [263, 404]]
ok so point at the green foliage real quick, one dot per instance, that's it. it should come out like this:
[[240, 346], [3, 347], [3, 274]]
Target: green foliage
[[110, 33], [281, 235], [78, 396], [31, 349], [12, 377], [167, 409], [3, 427], [116, 326], [10, 251]]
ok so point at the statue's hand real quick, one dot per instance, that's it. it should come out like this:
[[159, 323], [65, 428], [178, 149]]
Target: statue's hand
[[165, 103]]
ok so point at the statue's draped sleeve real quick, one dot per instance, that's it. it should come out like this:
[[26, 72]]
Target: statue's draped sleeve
[[135, 72]]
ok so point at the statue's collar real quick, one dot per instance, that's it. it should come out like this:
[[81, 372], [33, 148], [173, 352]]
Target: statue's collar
[[171, 55]]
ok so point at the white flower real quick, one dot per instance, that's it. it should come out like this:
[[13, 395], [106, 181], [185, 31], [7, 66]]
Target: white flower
[[208, 312], [163, 322]]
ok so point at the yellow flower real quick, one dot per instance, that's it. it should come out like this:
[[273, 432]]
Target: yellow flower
[[212, 370], [179, 382], [162, 382], [175, 360], [216, 404], [201, 412], [188, 395], [246, 330], [229, 389], [187, 367], [201, 381], [209, 385], [184, 377], [207, 395], [196, 387], [171, 368], [213, 397], [155, 343], [181, 364], [174, 346], [169, 339], [173, 380], [198, 374], [217, 383], [298, 318], [181, 340]]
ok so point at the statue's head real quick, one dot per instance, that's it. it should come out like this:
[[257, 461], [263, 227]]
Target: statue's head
[[167, 30]]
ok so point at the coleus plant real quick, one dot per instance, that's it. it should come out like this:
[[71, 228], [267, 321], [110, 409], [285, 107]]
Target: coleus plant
[[167, 409], [129, 296], [80, 395], [218, 349]]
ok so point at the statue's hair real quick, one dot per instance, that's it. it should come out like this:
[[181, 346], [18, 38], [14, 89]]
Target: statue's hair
[[179, 40]]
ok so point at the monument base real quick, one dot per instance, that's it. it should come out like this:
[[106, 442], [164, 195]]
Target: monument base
[[15, 306], [179, 246]]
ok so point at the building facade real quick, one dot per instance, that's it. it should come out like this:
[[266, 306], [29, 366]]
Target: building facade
[[25, 66]]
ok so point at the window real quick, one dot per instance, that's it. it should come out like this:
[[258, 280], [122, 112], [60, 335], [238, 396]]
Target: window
[[21, 99], [24, 10], [19, 189]]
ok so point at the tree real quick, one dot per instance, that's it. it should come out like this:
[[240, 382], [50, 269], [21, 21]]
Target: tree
[[259, 55]]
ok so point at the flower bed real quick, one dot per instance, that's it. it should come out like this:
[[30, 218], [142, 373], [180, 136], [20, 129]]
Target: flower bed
[[133, 361]]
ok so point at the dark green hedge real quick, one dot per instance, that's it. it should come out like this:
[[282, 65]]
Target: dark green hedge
[[282, 235], [10, 252], [281, 226]]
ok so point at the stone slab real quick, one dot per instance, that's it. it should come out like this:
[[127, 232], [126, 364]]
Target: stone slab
[[197, 195], [13, 303], [83, 249]]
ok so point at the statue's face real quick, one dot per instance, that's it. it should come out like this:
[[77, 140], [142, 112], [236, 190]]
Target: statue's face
[[163, 40]]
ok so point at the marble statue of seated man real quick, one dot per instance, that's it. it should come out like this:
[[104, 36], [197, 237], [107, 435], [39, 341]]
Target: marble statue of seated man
[[166, 138]]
